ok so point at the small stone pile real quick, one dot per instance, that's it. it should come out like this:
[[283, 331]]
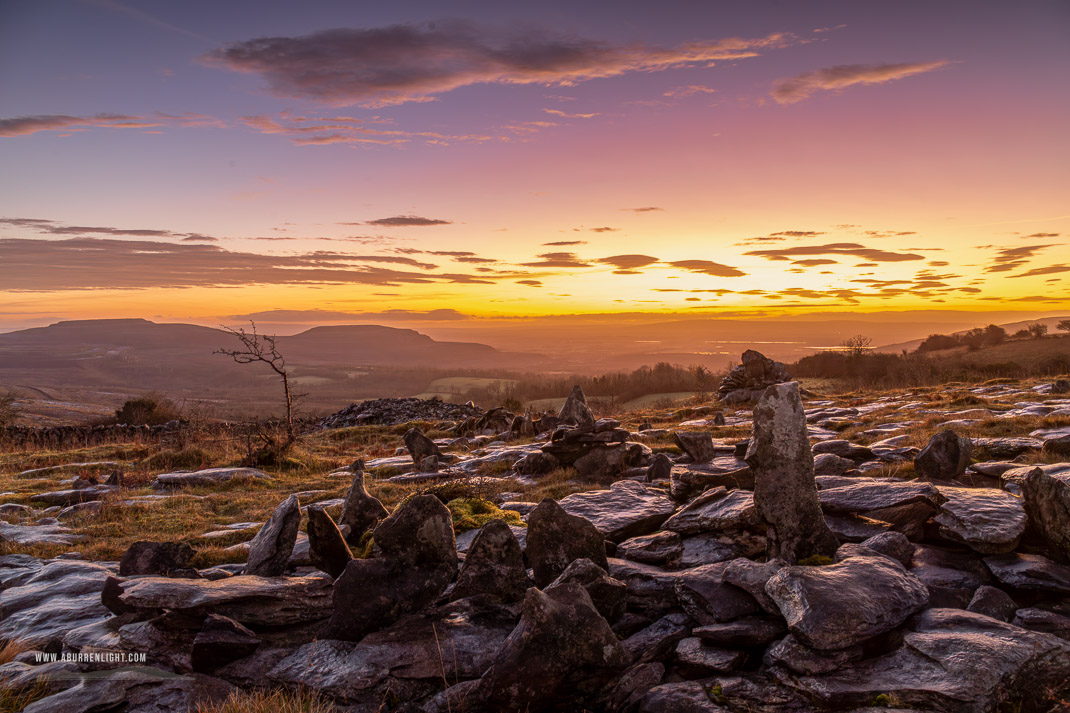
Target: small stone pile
[[390, 412], [746, 382]]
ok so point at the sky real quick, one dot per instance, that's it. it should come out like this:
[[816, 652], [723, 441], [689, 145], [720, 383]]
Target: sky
[[425, 162]]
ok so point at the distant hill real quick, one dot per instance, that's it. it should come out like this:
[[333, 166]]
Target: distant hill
[[1010, 327]]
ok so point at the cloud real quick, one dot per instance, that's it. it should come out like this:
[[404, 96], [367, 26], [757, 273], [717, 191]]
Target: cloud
[[796, 234], [706, 267], [558, 260], [689, 91], [26, 125], [405, 63], [855, 249], [401, 221], [52, 227], [604, 230], [1008, 259], [802, 86], [647, 209], [628, 264], [814, 262], [107, 263], [1040, 235], [566, 115], [564, 243], [321, 315], [1049, 270], [530, 283]]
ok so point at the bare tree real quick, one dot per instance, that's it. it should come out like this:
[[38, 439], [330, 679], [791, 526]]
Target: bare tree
[[857, 345], [1063, 325], [1037, 329], [261, 348]]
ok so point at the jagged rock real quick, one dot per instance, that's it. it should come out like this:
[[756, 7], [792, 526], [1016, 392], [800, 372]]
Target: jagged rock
[[556, 539], [749, 380], [843, 604], [953, 661], [1006, 448], [394, 411], [145, 557], [944, 458], [561, 644], [1030, 572], [785, 495], [695, 658], [844, 449], [661, 548], [65, 498], [537, 463], [1047, 502], [420, 446], [270, 550], [220, 641], [626, 691], [252, 601], [626, 509], [360, 511], [742, 633], [708, 599], [752, 577], [327, 549], [410, 658], [987, 520], [493, 565], [660, 468], [657, 642], [709, 548], [714, 510], [856, 528], [867, 495], [607, 594], [419, 558], [522, 425], [686, 697], [1057, 447], [698, 445], [992, 602], [47, 599], [951, 576], [575, 411], [594, 453], [800, 658], [831, 464], [136, 690], [685, 483], [1044, 621], [208, 477]]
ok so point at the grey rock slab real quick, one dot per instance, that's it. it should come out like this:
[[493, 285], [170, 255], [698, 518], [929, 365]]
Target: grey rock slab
[[65, 498], [494, 565], [742, 633], [1042, 620], [660, 548], [956, 662], [695, 657], [709, 599], [987, 520], [1030, 572], [48, 601], [627, 509], [556, 539], [708, 548], [867, 495], [686, 697], [1047, 503], [839, 605], [715, 510], [698, 445], [270, 549], [992, 602], [208, 477], [44, 534], [658, 640]]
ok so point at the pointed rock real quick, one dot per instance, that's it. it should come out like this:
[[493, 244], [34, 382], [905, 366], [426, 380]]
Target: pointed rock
[[575, 410], [1047, 503], [360, 511], [326, 546], [785, 493], [420, 446], [270, 550], [493, 565], [556, 539], [607, 594], [145, 557]]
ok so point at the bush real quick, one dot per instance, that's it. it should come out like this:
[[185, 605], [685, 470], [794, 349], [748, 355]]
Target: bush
[[474, 513], [8, 412], [147, 410]]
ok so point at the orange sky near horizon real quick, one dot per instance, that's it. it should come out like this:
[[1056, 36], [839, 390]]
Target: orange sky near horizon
[[531, 162]]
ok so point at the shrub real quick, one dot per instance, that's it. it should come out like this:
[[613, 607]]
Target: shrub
[[147, 410], [8, 412], [474, 513]]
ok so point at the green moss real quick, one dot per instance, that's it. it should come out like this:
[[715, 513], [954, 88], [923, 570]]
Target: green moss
[[363, 550], [474, 513], [816, 561]]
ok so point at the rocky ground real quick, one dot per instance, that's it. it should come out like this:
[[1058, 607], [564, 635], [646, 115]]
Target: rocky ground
[[904, 551]]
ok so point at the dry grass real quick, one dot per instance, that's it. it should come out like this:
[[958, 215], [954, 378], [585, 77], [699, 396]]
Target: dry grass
[[10, 649], [14, 699], [301, 701]]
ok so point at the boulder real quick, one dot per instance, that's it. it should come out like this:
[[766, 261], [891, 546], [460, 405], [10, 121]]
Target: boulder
[[892, 544], [556, 539], [1041, 620], [420, 446], [796, 656], [1057, 447], [686, 697], [749, 380], [987, 520], [992, 602], [661, 548], [785, 495], [493, 565], [575, 411], [660, 468], [537, 463], [627, 509], [48, 599], [694, 658], [944, 458], [360, 511], [708, 599], [1047, 503], [561, 649], [698, 445], [1030, 573], [327, 549], [145, 557], [208, 477], [220, 641], [658, 641], [839, 605], [954, 661], [607, 594], [270, 550], [715, 510], [742, 633]]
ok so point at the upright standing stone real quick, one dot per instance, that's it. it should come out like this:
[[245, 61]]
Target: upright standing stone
[[785, 493], [575, 410], [556, 539], [494, 564], [270, 550], [944, 458], [326, 546], [1047, 504], [420, 446], [360, 511]]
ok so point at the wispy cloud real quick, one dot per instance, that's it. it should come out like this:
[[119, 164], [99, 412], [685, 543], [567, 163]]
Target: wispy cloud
[[802, 86], [1009, 259], [322, 315], [647, 209], [27, 125], [854, 249], [405, 63], [558, 259], [707, 267], [406, 221]]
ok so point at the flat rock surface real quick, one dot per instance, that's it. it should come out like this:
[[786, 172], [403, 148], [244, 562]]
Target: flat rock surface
[[988, 520], [627, 509]]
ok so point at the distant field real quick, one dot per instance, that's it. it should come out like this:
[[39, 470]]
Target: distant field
[[651, 399], [1024, 352], [457, 388]]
